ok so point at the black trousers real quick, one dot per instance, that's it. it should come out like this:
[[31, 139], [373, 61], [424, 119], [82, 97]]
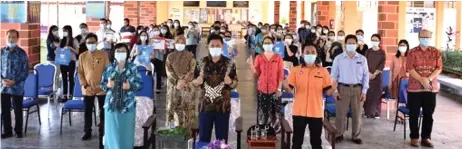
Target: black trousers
[[426, 101], [315, 127], [159, 67], [67, 73], [89, 102], [6, 116], [192, 49]]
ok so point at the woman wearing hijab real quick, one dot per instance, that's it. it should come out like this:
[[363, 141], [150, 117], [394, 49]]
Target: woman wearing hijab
[[180, 66], [120, 81]]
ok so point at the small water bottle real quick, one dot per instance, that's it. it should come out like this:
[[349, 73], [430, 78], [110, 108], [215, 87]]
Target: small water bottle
[[171, 125], [263, 134]]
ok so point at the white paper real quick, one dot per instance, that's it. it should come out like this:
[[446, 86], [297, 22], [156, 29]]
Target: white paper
[[158, 44]]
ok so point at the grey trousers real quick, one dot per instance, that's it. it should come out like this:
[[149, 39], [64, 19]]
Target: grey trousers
[[349, 96]]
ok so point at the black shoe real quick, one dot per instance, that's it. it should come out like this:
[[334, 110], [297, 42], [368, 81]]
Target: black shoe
[[339, 139], [63, 100], [358, 141], [7, 135], [19, 135], [86, 136]]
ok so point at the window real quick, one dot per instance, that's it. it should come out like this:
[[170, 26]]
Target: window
[[425, 4], [449, 4]]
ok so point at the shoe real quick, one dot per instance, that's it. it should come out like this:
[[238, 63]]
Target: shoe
[[426, 143], [86, 136], [377, 117], [19, 135], [339, 139], [415, 142], [358, 141], [7, 135], [158, 91]]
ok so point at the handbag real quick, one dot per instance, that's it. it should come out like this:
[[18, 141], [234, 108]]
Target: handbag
[[63, 56]]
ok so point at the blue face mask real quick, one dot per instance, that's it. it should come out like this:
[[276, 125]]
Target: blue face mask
[[10, 44], [351, 47], [424, 42], [361, 38], [226, 39], [309, 58]]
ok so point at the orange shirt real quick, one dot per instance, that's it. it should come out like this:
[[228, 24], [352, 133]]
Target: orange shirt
[[309, 83]]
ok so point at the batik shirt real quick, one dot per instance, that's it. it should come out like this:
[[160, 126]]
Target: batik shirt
[[14, 65], [216, 96], [118, 99]]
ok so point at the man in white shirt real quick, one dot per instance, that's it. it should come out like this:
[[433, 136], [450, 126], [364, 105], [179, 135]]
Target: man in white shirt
[[106, 38]]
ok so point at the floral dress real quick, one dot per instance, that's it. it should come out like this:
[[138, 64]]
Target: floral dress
[[119, 106]]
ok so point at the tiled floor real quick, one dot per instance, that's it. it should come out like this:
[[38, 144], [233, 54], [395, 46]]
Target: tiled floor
[[377, 134]]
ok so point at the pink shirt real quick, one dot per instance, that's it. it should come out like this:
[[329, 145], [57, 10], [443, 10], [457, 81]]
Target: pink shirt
[[269, 72]]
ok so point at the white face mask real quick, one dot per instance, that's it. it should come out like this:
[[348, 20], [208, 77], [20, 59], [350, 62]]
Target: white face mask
[[64, 34], [375, 44], [331, 37], [179, 47], [83, 30], [263, 30], [163, 31], [340, 37], [402, 49], [143, 38], [91, 47], [325, 31], [169, 24], [214, 52], [108, 26], [56, 33], [156, 33], [268, 47], [288, 41], [120, 57], [176, 24], [102, 26]]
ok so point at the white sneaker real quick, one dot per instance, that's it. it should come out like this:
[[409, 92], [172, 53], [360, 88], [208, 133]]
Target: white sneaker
[[377, 117]]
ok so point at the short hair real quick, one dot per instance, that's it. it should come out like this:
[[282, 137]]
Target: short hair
[[107, 21], [180, 37], [84, 25], [268, 37], [425, 30], [126, 19], [331, 32], [103, 19], [350, 36], [228, 32], [12, 31], [214, 37], [359, 30], [91, 35], [378, 36], [340, 31]]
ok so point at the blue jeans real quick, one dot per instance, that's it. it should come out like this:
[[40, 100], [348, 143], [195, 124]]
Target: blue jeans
[[206, 120]]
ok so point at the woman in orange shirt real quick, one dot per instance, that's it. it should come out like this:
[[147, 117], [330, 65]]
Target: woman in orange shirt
[[398, 67], [309, 81], [269, 69]]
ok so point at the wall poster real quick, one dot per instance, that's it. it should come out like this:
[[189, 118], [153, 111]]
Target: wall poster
[[416, 20], [191, 14], [13, 11]]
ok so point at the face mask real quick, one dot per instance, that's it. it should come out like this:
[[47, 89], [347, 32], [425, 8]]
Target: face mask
[[91, 47], [331, 37], [108, 26], [143, 38], [268, 47], [222, 31], [307, 26], [139, 32], [215, 51], [279, 31], [83, 31], [176, 24], [425, 42], [263, 30], [64, 34], [212, 31], [169, 24], [179, 47], [319, 30], [302, 25], [163, 31], [273, 30], [284, 32], [259, 26], [340, 37], [190, 26], [351, 47], [227, 38], [156, 33], [56, 33], [309, 58], [102, 26], [375, 43], [325, 31], [120, 57], [10, 44], [402, 49], [288, 41], [360, 38], [313, 30]]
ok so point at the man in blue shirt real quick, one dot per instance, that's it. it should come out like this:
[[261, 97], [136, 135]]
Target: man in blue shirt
[[14, 68], [350, 75]]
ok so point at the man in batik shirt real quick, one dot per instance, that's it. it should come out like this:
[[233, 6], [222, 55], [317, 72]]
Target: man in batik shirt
[[217, 78]]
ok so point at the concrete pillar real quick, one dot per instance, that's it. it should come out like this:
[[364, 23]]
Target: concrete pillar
[[276, 11], [458, 24], [439, 41], [326, 12], [388, 22], [351, 23], [293, 15], [402, 18], [302, 10], [29, 33]]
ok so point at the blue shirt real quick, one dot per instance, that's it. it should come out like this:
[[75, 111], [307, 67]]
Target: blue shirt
[[14, 65], [353, 70]]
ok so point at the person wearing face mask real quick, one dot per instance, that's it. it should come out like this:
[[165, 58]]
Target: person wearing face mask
[[180, 66], [109, 25], [230, 46], [68, 42], [176, 28], [52, 43], [350, 75], [81, 38], [424, 64], [14, 69], [90, 70], [279, 33], [291, 51], [259, 39], [303, 31], [158, 59], [142, 51], [308, 83], [127, 32], [165, 32], [217, 77], [269, 69], [362, 47], [341, 37], [192, 39], [376, 62], [398, 67], [120, 81], [318, 30]]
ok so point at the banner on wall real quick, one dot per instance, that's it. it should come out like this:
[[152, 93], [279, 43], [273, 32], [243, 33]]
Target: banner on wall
[[449, 30], [13, 11], [191, 14], [175, 13], [416, 20], [95, 9], [255, 16]]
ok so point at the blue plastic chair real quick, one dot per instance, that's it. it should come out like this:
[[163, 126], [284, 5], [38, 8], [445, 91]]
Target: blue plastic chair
[[402, 99], [147, 89], [330, 109], [141, 69], [385, 84], [74, 105], [46, 80], [31, 97]]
